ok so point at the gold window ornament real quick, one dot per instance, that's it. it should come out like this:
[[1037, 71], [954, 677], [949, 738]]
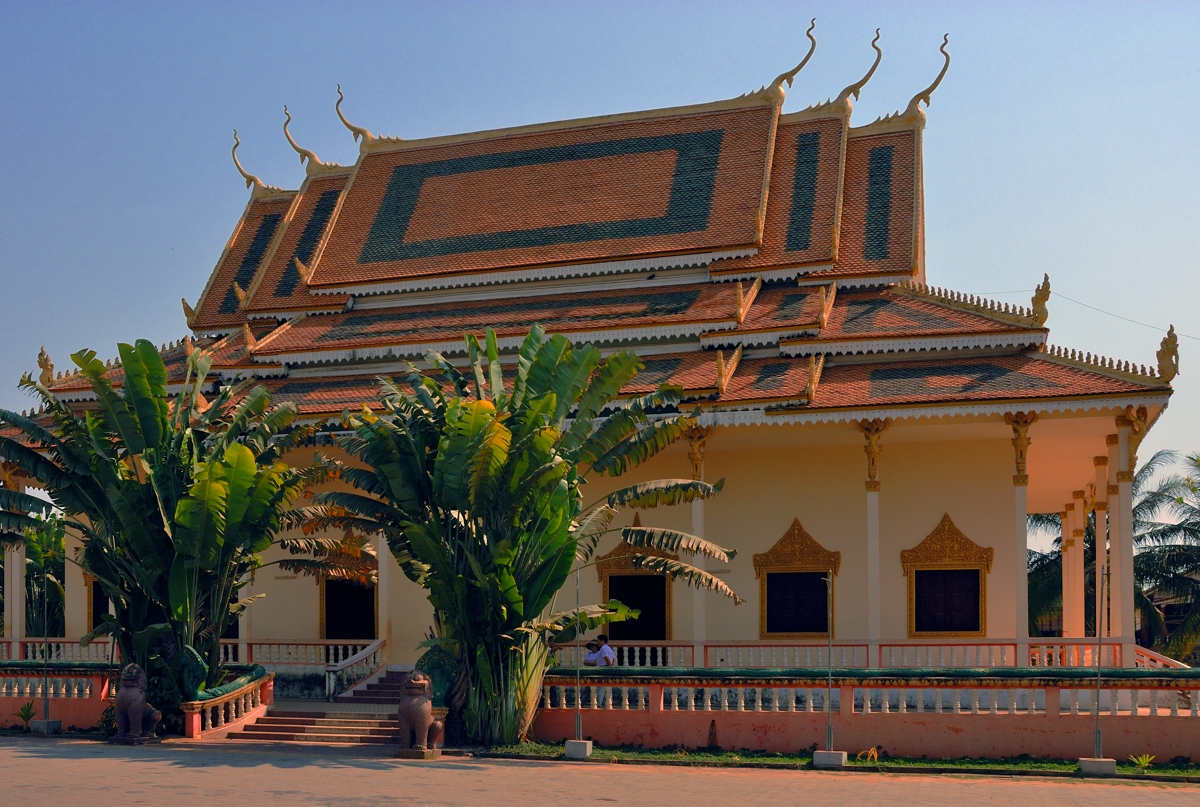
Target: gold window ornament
[[945, 552], [795, 553], [619, 563]]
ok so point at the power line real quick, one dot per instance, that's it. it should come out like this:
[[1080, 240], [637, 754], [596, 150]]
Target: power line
[[1092, 307]]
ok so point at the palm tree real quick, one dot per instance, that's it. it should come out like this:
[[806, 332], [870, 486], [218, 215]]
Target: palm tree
[[476, 479], [1168, 561], [1154, 495], [174, 499]]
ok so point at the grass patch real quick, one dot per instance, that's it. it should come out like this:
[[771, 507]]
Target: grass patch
[[1177, 767]]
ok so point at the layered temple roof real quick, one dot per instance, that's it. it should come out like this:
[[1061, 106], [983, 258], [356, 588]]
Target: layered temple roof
[[771, 264]]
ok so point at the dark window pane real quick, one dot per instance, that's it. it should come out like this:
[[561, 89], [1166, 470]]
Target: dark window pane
[[947, 600], [99, 604], [349, 610], [648, 594], [797, 602]]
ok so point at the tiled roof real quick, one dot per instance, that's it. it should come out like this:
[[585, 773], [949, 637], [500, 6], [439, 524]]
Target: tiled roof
[[878, 195], [175, 359], [880, 312], [767, 379], [631, 189], [695, 372], [779, 310], [280, 286], [218, 309], [958, 380], [660, 310], [325, 396], [806, 175]]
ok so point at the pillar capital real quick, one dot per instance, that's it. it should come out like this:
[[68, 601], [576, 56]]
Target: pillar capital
[[872, 485], [1021, 480], [1068, 507], [1113, 490], [1100, 462], [1077, 533], [1111, 439], [1124, 476], [697, 436], [1020, 422], [1077, 494], [1101, 505], [872, 430]]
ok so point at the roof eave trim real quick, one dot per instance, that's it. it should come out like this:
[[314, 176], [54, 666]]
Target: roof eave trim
[[900, 344]]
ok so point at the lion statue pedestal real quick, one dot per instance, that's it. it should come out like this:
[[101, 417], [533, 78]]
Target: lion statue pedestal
[[136, 719], [420, 729]]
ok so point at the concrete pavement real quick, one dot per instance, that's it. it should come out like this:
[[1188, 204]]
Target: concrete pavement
[[66, 773]]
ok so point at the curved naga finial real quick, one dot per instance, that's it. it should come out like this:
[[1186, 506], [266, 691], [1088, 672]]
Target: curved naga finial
[[305, 154], [914, 106], [1041, 295], [357, 131], [791, 74], [1168, 356], [855, 88], [251, 180]]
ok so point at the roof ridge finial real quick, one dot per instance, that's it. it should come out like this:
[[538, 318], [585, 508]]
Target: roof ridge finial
[[914, 106], [305, 154], [855, 88], [357, 131], [251, 180], [791, 74]]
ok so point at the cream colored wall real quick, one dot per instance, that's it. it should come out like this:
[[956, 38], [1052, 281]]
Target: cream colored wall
[[772, 475], [970, 480]]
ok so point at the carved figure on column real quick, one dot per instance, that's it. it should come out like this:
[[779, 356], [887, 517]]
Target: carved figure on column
[[1020, 422], [873, 430], [418, 728], [136, 719], [1168, 356], [1138, 420], [697, 436]]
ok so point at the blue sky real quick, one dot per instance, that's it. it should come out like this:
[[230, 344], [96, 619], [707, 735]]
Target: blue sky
[[1063, 140]]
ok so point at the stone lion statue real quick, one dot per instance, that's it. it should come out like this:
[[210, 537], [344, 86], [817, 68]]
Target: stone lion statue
[[136, 719], [418, 727]]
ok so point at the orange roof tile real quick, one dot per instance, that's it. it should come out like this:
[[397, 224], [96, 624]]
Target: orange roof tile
[[219, 308], [280, 287], [878, 200], [806, 175], [633, 313], [638, 188]]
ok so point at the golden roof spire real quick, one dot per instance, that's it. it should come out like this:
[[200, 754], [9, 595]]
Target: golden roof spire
[[304, 153], [855, 88], [251, 180], [914, 106], [357, 131]]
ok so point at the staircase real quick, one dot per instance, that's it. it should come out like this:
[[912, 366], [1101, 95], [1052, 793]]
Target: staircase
[[384, 690], [322, 726]]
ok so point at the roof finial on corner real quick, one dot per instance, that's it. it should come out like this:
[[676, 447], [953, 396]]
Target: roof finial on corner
[[357, 131], [305, 154], [251, 180], [791, 74], [914, 106], [855, 88]]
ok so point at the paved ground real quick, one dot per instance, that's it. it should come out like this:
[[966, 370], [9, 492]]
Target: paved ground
[[88, 774]]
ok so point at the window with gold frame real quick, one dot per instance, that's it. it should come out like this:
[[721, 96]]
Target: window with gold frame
[[619, 563], [946, 549], [795, 551]]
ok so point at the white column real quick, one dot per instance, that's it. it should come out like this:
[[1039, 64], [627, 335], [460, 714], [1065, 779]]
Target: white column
[[873, 571], [384, 562], [246, 624], [1079, 525], [699, 615], [1116, 594], [1125, 517], [75, 589], [14, 595], [1067, 517], [1102, 563], [1021, 570]]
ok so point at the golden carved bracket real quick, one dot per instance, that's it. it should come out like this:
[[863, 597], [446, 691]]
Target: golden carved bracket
[[697, 436], [1020, 422], [797, 551], [947, 548], [872, 430]]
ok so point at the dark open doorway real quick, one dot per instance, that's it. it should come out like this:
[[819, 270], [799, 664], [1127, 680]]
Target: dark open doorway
[[349, 610], [648, 594]]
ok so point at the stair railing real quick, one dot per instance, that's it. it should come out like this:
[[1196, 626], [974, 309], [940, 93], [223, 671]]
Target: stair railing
[[346, 673]]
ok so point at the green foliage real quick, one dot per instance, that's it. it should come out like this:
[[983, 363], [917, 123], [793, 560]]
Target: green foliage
[[477, 486], [174, 500], [25, 714], [1142, 761]]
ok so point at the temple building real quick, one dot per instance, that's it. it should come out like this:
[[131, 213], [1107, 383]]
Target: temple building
[[871, 428]]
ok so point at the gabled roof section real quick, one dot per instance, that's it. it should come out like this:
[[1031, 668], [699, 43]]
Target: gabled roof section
[[220, 307], [580, 197], [281, 286], [620, 314]]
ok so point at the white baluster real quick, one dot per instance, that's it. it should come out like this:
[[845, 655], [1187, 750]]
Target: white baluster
[[974, 701], [1154, 703], [1195, 703]]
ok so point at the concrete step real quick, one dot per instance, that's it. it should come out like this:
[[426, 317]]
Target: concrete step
[[286, 736], [349, 731], [388, 725]]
